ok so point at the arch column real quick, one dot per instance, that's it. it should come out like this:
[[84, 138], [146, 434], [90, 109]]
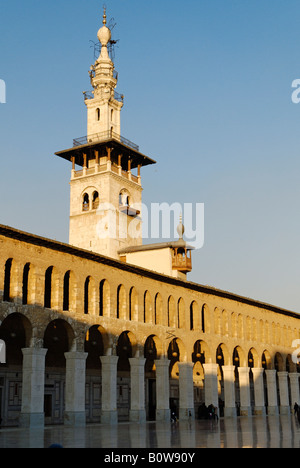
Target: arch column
[[75, 389], [109, 414], [272, 392], [259, 393], [229, 391], [244, 382], [137, 376], [295, 392], [211, 384], [284, 393], [186, 391], [163, 412], [33, 386]]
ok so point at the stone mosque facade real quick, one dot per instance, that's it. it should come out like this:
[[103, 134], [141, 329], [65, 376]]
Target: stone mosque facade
[[106, 329]]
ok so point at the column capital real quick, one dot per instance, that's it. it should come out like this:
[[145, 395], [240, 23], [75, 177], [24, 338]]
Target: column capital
[[271, 372], [162, 363], [211, 368], [34, 351], [228, 368], [137, 362], [282, 374], [294, 376], [257, 371], [76, 355], [243, 370]]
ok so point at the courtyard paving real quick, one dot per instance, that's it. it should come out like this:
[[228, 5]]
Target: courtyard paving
[[256, 432]]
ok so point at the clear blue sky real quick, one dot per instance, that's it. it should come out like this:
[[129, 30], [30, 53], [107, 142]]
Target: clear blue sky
[[207, 87]]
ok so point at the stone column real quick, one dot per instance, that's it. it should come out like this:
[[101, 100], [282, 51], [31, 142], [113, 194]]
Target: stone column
[[211, 384], [75, 389], [137, 376], [109, 413], [295, 393], [229, 391], [245, 391], [284, 393], [163, 412], [186, 391], [33, 385], [272, 392], [259, 391]]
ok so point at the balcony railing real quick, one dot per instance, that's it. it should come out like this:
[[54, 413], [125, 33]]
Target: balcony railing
[[103, 136], [90, 95]]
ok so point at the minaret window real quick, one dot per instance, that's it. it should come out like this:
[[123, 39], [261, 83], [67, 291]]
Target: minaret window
[[95, 200], [98, 114], [86, 202]]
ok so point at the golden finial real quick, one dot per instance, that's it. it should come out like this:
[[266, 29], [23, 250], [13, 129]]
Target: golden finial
[[104, 15]]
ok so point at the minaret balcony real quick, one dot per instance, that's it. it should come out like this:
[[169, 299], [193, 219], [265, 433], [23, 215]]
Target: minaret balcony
[[104, 136], [88, 95], [182, 260]]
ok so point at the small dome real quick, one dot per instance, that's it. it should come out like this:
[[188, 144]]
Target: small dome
[[104, 35]]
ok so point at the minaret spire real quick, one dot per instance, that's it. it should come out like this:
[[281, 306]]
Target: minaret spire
[[104, 15], [105, 107]]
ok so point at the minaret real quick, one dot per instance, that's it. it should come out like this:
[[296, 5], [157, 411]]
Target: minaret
[[106, 190]]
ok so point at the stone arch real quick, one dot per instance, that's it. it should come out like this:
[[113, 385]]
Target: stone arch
[[195, 318], [89, 296], [181, 313], [253, 358], [201, 352], [266, 360], [59, 338], [94, 346], [223, 355], [16, 332], [51, 288], [104, 298], [126, 349], [29, 284], [177, 350], [133, 305], [279, 362], [70, 291], [158, 309], [11, 280], [148, 308], [239, 357], [124, 198], [171, 312], [152, 352], [121, 303], [205, 319]]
